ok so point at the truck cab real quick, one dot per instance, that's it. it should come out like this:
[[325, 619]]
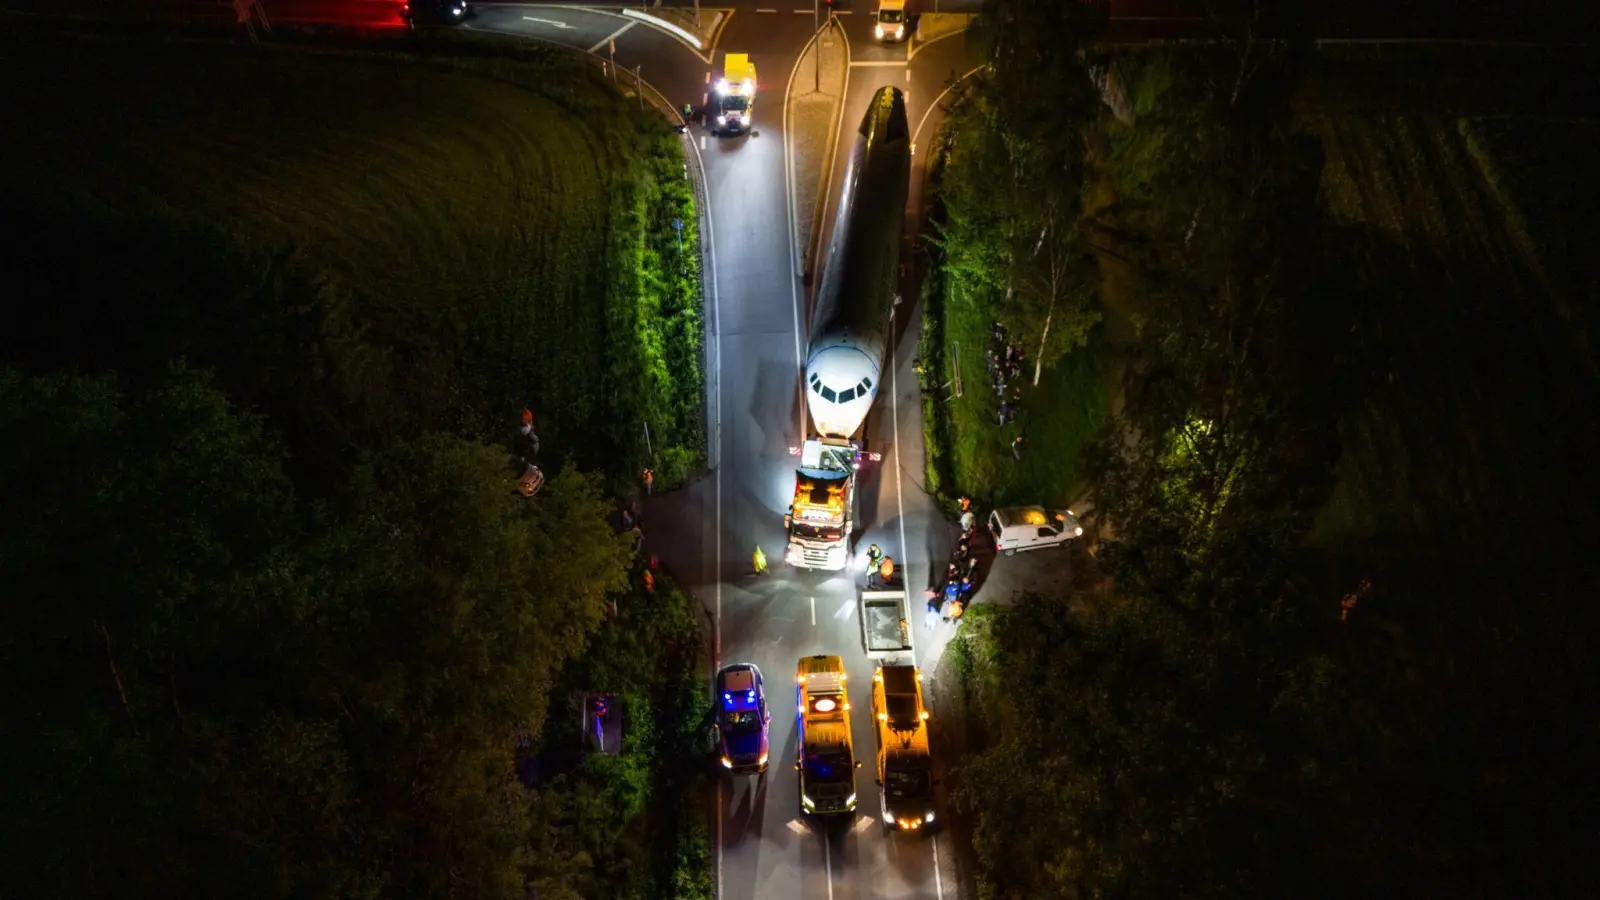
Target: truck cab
[[892, 25], [905, 766], [1032, 528], [733, 107], [821, 517], [826, 759]]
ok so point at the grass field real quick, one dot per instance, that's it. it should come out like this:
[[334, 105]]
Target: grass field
[[1480, 361], [478, 222]]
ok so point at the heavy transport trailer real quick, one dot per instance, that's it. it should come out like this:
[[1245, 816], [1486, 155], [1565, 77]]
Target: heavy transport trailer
[[886, 632], [850, 332]]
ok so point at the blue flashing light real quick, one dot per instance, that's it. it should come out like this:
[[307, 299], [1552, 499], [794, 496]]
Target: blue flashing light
[[750, 696]]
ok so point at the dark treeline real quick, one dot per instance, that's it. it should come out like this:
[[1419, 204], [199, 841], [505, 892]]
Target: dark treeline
[[1344, 635], [275, 624]]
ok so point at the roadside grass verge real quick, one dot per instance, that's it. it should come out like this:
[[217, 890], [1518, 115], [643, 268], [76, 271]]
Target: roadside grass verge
[[969, 452], [460, 231]]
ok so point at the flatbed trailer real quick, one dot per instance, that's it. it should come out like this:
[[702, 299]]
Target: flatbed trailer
[[886, 631]]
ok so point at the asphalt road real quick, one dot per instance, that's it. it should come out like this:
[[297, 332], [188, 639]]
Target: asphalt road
[[707, 532]]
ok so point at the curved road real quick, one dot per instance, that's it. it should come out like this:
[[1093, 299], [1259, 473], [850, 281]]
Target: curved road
[[756, 318]]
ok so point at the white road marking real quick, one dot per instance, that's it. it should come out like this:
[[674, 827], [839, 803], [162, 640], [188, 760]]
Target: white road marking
[[548, 22], [938, 882], [766, 10], [894, 421], [862, 823], [608, 39], [827, 863], [702, 142], [813, 610], [797, 826], [705, 99], [794, 263], [716, 436], [845, 610], [908, 74], [924, 120], [708, 76], [804, 12], [877, 63]]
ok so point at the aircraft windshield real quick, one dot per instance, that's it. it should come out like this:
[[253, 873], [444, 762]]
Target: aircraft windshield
[[735, 103], [891, 16], [818, 532]]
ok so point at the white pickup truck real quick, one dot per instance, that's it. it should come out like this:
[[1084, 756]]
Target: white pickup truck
[[1032, 528]]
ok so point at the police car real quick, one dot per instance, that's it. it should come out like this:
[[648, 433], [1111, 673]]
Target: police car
[[742, 718]]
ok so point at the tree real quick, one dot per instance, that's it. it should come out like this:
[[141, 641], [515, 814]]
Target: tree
[[221, 691]]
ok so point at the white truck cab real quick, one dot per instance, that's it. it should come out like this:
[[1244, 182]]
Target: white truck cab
[[892, 24], [1032, 528]]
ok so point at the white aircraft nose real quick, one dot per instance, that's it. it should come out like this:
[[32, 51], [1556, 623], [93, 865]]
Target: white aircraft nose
[[841, 382]]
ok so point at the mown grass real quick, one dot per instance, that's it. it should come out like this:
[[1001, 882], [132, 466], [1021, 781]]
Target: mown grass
[[1475, 346], [493, 221]]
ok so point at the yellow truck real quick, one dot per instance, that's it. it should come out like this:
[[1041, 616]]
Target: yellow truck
[[826, 760], [905, 765], [734, 106]]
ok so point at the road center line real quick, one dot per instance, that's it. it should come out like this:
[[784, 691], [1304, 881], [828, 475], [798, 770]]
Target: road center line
[[877, 63], [548, 22], [813, 610], [611, 37]]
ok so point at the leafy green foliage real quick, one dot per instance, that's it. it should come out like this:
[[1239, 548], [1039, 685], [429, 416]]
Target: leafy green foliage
[[248, 665], [1221, 730]]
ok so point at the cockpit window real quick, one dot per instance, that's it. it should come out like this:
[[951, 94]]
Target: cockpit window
[[828, 394], [846, 395], [866, 384]]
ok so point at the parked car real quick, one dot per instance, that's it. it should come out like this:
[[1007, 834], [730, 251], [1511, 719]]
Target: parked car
[[1032, 528]]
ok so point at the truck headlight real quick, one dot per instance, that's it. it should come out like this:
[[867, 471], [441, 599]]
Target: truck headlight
[[807, 802], [877, 32], [928, 817], [727, 763], [763, 760], [1078, 532], [722, 120], [899, 32], [850, 802], [888, 817]]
